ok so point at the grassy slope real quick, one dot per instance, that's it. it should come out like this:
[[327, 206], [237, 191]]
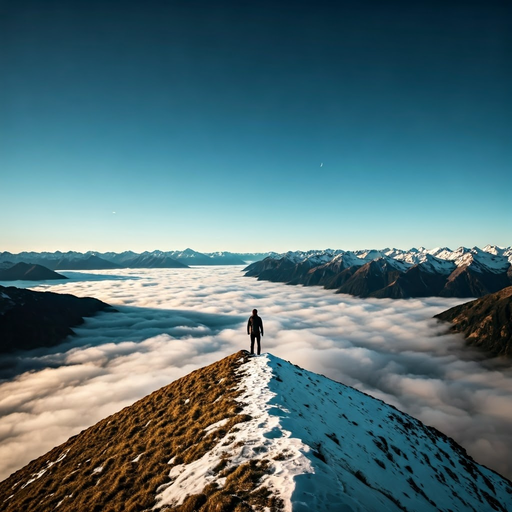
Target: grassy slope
[[119, 463]]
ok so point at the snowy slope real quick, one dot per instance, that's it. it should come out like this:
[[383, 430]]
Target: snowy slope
[[429, 263], [345, 260], [336, 449]]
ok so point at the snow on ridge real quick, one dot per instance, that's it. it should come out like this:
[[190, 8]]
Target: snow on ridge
[[402, 266], [259, 438], [331, 447], [348, 259], [369, 255], [437, 265], [313, 256], [494, 249], [357, 445], [439, 260]]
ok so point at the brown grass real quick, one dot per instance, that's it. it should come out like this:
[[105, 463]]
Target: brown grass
[[175, 431]]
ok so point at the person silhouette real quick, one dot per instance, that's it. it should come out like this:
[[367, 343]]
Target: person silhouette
[[255, 329]]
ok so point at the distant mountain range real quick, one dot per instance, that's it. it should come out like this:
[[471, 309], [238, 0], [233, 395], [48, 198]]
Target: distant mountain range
[[111, 260], [394, 273], [251, 434], [486, 322], [30, 320]]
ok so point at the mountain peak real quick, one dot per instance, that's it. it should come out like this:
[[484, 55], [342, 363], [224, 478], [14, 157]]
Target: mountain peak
[[253, 433], [28, 272]]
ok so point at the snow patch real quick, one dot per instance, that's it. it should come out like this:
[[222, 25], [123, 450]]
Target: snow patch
[[138, 457], [215, 426], [40, 473]]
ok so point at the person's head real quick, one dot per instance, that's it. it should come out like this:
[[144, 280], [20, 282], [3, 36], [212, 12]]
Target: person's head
[[254, 312]]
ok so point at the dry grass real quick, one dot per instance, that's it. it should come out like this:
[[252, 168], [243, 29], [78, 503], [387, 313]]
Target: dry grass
[[168, 424]]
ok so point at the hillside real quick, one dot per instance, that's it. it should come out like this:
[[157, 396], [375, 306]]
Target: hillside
[[256, 433], [28, 272], [486, 322], [30, 319]]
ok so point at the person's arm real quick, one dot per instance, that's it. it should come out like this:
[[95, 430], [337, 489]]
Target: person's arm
[[248, 324], [261, 326]]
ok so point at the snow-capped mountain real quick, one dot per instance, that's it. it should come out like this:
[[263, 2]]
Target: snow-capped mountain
[[394, 273], [295, 266], [191, 257], [128, 259], [155, 259], [257, 433]]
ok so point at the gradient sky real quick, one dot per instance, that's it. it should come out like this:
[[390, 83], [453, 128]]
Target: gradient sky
[[249, 126]]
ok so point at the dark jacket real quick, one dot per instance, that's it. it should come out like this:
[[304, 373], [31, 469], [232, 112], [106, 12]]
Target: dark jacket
[[255, 325]]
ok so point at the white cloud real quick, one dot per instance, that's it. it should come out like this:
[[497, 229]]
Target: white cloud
[[175, 320]]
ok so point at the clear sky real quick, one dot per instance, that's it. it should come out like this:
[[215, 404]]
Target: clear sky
[[246, 126]]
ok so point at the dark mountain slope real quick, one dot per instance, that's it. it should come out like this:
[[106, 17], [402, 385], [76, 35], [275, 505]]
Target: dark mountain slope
[[153, 261], [29, 272], [31, 319], [91, 262], [486, 322], [386, 277], [415, 282], [370, 278], [328, 277], [465, 282], [277, 270]]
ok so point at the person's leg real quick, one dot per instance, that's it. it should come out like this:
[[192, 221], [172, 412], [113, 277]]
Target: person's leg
[[258, 339], [252, 343]]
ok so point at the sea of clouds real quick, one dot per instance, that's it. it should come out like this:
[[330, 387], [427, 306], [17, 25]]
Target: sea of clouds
[[172, 321]]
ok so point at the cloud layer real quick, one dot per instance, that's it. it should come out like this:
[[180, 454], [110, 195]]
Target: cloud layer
[[174, 321]]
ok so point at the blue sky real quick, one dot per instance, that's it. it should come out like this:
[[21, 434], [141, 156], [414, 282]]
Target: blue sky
[[251, 126]]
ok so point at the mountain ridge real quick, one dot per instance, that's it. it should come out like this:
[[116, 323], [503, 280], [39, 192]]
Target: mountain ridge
[[93, 260], [255, 433], [486, 322], [393, 273]]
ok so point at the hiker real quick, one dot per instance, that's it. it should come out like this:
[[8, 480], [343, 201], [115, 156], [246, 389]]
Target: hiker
[[254, 328]]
